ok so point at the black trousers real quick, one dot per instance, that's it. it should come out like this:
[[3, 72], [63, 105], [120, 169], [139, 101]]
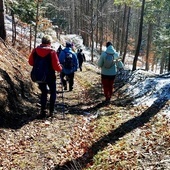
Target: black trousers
[[67, 77], [44, 92]]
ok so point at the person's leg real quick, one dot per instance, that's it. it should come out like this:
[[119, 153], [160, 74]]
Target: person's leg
[[80, 66], [71, 81], [105, 83], [52, 87], [43, 98], [63, 81], [110, 88]]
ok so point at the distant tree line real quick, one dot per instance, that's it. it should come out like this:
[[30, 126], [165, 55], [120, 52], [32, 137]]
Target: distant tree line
[[140, 28]]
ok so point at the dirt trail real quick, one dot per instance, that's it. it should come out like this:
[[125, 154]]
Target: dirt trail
[[41, 143]]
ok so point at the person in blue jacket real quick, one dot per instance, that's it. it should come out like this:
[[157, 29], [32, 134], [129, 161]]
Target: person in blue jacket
[[68, 73], [108, 74]]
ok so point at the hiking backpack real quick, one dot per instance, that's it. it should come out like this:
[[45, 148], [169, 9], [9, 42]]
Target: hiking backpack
[[41, 68], [68, 61], [108, 60]]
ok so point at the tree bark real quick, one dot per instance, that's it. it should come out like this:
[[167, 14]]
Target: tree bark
[[148, 46], [169, 61], [126, 37], [123, 29], [2, 22], [139, 38]]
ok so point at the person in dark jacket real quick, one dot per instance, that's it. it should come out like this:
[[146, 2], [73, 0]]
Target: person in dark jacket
[[81, 58], [59, 50], [108, 74], [43, 50], [68, 72]]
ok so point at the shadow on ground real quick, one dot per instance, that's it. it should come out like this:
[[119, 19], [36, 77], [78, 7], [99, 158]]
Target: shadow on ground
[[113, 136]]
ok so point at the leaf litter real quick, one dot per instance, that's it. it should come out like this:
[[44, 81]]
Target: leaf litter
[[108, 137]]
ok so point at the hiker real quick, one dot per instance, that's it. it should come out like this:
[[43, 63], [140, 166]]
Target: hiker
[[69, 61], [81, 58], [59, 50], [108, 74], [73, 47], [44, 50]]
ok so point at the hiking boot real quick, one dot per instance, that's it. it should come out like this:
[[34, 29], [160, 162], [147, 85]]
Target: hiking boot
[[71, 88], [65, 87], [107, 101], [51, 114], [42, 114]]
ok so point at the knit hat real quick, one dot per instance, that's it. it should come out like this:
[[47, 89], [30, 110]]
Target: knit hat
[[108, 43], [68, 44]]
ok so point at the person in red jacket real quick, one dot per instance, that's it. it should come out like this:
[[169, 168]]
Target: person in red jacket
[[43, 50]]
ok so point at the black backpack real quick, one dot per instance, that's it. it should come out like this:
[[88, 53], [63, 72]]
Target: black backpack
[[41, 68], [68, 61]]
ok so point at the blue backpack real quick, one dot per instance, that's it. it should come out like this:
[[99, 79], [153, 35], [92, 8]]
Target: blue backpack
[[41, 68], [108, 60]]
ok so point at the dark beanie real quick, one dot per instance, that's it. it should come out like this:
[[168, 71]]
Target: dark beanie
[[108, 43], [68, 44]]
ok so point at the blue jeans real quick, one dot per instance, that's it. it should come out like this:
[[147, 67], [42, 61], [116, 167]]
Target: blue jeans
[[44, 92]]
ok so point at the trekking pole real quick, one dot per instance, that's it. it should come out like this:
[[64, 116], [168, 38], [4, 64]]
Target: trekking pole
[[63, 105], [61, 94]]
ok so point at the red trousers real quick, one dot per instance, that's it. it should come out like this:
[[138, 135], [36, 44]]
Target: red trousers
[[107, 87]]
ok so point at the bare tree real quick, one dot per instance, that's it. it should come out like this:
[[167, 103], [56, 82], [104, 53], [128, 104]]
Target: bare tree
[[139, 37], [148, 45], [126, 36], [2, 23], [169, 61], [123, 29]]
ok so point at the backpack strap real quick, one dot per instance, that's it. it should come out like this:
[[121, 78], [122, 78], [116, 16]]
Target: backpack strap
[[110, 54]]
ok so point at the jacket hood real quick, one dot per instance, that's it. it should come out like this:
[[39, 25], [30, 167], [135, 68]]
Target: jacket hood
[[43, 50], [110, 49]]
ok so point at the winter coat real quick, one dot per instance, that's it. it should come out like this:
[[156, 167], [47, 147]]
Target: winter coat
[[81, 57], [113, 70], [43, 50], [62, 59]]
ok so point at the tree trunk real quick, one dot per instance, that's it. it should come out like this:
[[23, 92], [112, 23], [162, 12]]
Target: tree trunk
[[14, 34], [97, 26], [148, 46], [36, 25], [162, 62], [30, 38], [2, 23], [123, 29], [139, 37], [118, 30], [92, 31], [169, 61], [126, 38]]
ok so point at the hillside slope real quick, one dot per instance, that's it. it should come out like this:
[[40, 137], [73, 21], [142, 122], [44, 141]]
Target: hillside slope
[[16, 89]]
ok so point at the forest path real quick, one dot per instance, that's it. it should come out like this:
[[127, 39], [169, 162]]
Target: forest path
[[88, 129]]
